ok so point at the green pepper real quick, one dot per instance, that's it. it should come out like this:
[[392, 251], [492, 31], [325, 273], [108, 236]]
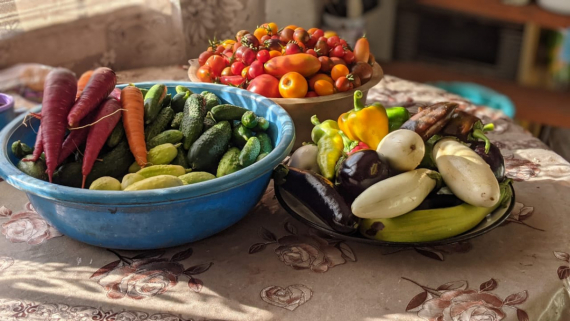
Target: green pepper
[[330, 145], [397, 116]]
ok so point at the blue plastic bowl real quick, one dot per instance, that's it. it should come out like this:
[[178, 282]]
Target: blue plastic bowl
[[155, 218], [6, 110]]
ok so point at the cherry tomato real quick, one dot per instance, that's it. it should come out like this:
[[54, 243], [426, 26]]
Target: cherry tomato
[[227, 71], [318, 77], [337, 61], [236, 81], [260, 32], [237, 67], [293, 85], [333, 41], [240, 34], [311, 43], [322, 48], [355, 80], [326, 64], [292, 48], [324, 88], [318, 33], [245, 73], [248, 56], [302, 46], [250, 40], [311, 31], [312, 52], [311, 94], [273, 44], [265, 85], [204, 57], [275, 37], [217, 64], [272, 27], [301, 35], [263, 56], [204, 73], [330, 33], [274, 53], [220, 49], [348, 57], [338, 51], [343, 84], [264, 38], [236, 46], [255, 70], [339, 71], [239, 52], [286, 35], [228, 52], [323, 38], [292, 27]]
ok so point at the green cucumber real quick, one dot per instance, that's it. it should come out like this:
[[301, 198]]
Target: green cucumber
[[196, 177], [35, 169], [182, 90], [177, 120], [130, 179], [228, 112], [211, 100], [229, 162], [166, 101], [209, 147], [106, 183], [193, 120], [265, 143], [250, 151], [209, 121], [153, 102], [249, 119], [117, 135], [178, 101], [150, 171], [155, 182], [159, 124], [262, 125], [159, 155], [180, 158], [20, 149], [172, 136], [261, 156], [240, 135]]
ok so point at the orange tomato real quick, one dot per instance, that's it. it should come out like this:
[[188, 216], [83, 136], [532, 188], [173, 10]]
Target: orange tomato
[[324, 88], [227, 71], [293, 27], [330, 33], [293, 85], [317, 77], [259, 32], [339, 71], [274, 53], [312, 30], [272, 26]]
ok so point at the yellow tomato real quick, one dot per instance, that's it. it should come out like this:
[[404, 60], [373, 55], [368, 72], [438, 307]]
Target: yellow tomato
[[260, 32], [227, 71], [339, 71], [228, 42], [317, 77], [330, 33], [324, 88], [292, 27], [272, 26], [293, 85], [274, 53]]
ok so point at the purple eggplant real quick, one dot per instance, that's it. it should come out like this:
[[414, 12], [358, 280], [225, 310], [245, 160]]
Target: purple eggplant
[[317, 194], [359, 171], [494, 158]]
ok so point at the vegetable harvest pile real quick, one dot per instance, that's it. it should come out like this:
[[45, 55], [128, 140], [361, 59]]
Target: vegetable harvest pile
[[137, 139], [288, 63], [397, 178]]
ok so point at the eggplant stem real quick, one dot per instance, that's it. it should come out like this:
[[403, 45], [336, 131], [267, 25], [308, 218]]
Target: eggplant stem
[[488, 127], [279, 174], [478, 133]]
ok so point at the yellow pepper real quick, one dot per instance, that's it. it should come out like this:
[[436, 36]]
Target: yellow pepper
[[366, 124]]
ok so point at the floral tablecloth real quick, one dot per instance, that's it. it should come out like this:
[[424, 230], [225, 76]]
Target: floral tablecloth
[[271, 267]]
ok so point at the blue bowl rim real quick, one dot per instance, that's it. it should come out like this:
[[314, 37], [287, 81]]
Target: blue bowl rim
[[28, 184]]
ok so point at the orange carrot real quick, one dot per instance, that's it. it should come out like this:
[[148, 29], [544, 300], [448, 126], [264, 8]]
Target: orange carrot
[[133, 121], [82, 82]]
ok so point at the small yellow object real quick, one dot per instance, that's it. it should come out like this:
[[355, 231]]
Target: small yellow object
[[155, 182], [106, 183], [330, 33], [130, 179]]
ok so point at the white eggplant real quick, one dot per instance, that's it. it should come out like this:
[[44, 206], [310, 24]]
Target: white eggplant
[[403, 149], [305, 157], [396, 195], [466, 174]]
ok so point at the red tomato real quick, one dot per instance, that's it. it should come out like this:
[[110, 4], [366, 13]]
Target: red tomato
[[348, 57], [286, 35], [204, 73], [204, 57], [265, 85], [240, 34], [292, 48], [256, 69], [245, 73], [237, 67], [312, 52], [237, 80], [326, 64], [322, 48], [312, 42], [293, 85], [217, 64], [318, 33], [263, 56], [323, 38], [227, 71], [311, 31], [248, 56], [343, 42], [220, 49], [311, 94], [273, 44], [264, 38], [343, 84], [301, 35], [338, 51], [337, 61], [236, 46], [275, 37], [333, 41]]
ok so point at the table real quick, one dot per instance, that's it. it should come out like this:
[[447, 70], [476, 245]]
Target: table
[[271, 267]]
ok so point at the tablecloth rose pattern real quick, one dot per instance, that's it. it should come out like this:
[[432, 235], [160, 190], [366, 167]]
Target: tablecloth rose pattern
[[27, 226], [147, 274], [288, 298], [454, 301]]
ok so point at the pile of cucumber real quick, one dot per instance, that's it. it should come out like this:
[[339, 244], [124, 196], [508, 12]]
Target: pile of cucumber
[[190, 138]]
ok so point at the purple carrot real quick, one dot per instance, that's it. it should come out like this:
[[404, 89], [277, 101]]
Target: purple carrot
[[60, 88], [76, 138], [38, 147], [100, 85], [116, 93], [99, 132]]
